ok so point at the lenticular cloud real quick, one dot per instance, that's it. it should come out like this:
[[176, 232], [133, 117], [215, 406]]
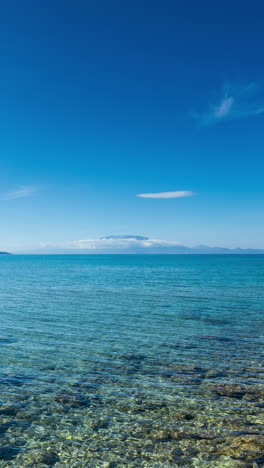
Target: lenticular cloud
[[176, 194]]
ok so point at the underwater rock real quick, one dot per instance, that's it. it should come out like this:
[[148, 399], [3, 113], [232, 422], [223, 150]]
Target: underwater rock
[[110, 464], [239, 425], [229, 390], [10, 410], [184, 415], [8, 453], [49, 458], [176, 454], [6, 340], [245, 447], [4, 427], [134, 357], [239, 391], [180, 345], [48, 368], [216, 321], [257, 396], [131, 369], [185, 374], [187, 380], [222, 339], [28, 414], [162, 436], [187, 369], [140, 406], [99, 424], [73, 399], [215, 373], [149, 406], [13, 379], [168, 434], [255, 370], [181, 374], [42, 458], [221, 462]]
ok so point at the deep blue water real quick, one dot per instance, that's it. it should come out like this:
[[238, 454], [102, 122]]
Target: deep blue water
[[101, 353]]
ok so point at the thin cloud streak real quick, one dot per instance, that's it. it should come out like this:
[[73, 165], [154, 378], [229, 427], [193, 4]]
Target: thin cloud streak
[[22, 191], [176, 194], [233, 103]]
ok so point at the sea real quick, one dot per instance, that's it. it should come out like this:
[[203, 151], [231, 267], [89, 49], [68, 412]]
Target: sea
[[132, 361]]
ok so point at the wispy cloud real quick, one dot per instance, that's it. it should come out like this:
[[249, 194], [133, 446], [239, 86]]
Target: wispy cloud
[[22, 191], [176, 194], [224, 108], [233, 102]]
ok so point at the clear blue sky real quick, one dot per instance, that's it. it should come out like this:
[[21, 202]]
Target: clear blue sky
[[104, 100]]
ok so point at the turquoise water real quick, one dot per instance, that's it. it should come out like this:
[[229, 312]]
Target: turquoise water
[[131, 361]]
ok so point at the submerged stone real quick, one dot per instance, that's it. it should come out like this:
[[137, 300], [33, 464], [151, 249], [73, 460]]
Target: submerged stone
[[215, 373], [134, 357], [247, 447], [182, 374], [223, 339], [10, 410], [6, 340], [4, 427], [230, 390], [221, 462], [16, 380], [183, 415], [8, 453], [237, 391], [99, 424], [187, 369], [176, 454], [72, 399], [42, 458]]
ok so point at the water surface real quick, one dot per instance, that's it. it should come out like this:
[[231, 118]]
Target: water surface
[[131, 361]]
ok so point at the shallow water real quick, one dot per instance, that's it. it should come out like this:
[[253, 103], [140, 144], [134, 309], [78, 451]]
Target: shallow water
[[131, 361]]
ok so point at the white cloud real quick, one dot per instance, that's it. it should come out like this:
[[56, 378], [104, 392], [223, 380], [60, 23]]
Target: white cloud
[[128, 245], [176, 194], [21, 192], [233, 103], [110, 244]]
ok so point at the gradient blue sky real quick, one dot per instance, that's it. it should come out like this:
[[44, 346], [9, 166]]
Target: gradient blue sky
[[104, 100]]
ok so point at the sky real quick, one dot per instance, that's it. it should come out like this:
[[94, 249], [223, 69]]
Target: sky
[[141, 117]]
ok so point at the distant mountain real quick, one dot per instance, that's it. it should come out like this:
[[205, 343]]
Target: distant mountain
[[135, 244], [4, 253], [205, 249], [165, 247]]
